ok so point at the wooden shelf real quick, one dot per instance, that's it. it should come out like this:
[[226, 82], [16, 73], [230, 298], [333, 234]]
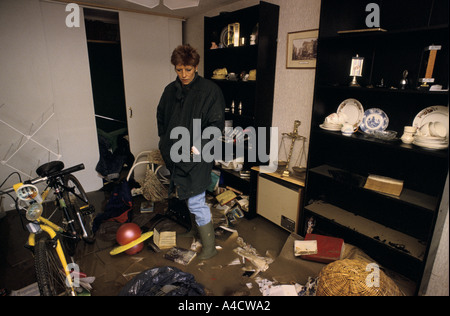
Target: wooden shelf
[[412, 197], [378, 232], [277, 175]]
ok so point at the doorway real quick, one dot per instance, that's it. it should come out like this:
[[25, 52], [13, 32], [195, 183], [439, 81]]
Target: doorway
[[105, 62]]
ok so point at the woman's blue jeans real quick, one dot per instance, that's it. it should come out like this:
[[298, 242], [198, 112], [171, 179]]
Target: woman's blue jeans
[[199, 209]]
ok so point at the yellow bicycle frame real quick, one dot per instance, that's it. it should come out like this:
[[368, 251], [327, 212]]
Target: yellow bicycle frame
[[51, 229]]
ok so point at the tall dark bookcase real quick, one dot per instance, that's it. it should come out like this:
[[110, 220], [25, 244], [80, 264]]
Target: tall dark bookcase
[[257, 52], [396, 231]]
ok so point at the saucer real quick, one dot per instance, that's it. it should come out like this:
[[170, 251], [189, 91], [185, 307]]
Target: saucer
[[331, 127]]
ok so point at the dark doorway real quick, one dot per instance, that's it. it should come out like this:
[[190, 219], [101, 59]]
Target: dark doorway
[[105, 61]]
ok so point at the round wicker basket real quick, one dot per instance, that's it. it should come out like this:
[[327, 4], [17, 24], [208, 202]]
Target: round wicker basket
[[353, 277]]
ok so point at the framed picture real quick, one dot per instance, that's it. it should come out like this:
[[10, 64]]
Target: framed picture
[[356, 66], [302, 49]]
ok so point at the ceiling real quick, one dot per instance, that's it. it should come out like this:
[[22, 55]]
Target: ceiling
[[203, 7]]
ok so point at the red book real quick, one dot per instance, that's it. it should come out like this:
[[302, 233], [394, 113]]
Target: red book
[[329, 249]]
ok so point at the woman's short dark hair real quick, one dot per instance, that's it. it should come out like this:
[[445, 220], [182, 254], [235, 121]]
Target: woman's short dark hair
[[185, 55]]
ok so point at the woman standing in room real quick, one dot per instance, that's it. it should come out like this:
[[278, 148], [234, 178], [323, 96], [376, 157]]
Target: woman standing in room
[[184, 102]]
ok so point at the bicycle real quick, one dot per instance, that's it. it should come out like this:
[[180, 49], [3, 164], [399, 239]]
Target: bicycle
[[56, 240]]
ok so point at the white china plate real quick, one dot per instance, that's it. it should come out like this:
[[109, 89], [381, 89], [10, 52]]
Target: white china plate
[[430, 139], [354, 111], [374, 120], [334, 129], [430, 145], [436, 113]]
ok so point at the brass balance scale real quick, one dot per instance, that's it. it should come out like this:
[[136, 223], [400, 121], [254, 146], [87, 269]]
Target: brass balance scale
[[293, 137]]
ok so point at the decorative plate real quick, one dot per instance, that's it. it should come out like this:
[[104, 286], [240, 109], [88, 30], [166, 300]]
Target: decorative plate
[[224, 37], [354, 111], [374, 120], [436, 113]]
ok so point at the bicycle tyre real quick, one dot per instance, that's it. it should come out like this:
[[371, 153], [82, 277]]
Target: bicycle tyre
[[74, 203], [49, 270]]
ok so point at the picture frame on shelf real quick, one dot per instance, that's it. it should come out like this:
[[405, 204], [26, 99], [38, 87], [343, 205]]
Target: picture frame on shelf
[[301, 50]]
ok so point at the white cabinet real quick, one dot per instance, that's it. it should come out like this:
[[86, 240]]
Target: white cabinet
[[279, 199]]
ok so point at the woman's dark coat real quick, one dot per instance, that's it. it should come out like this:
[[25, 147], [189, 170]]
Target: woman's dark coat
[[179, 106]]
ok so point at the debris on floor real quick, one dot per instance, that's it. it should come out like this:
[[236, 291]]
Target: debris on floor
[[239, 268], [163, 281], [248, 252], [30, 290], [180, 255], [268, 288]]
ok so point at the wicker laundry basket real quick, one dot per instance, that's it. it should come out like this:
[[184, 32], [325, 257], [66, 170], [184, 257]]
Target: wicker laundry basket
[[154, 156], [152, 188], [353, 277]]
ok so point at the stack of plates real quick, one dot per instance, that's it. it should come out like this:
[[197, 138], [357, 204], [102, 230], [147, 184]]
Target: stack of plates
[[430, 142], [436, 113], [331, 126], [334, 121]]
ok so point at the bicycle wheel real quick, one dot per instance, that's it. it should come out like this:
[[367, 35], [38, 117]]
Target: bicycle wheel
[[77, 201], [49, 270]]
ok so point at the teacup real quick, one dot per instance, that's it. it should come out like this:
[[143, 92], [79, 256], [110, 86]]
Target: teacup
[[332, 119], [335, 119], [437, 129], [347, 129]]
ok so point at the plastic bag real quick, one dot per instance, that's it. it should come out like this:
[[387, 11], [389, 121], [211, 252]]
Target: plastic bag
[[164, 281]]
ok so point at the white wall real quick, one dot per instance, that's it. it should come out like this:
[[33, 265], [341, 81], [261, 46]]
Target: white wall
[[45, 76]]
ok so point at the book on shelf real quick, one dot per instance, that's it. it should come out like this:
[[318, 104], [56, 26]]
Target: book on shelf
[[329, 248], [384, 184]]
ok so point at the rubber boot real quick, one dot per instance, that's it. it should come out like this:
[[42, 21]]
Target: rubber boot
[[208, 241], [193, 232]]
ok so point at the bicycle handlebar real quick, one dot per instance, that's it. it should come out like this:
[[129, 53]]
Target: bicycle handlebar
[[53, 175]]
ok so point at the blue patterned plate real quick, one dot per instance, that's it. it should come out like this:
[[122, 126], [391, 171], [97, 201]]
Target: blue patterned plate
[[374, 120]]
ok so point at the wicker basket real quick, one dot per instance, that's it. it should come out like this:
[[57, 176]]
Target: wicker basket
[[154, 156], [152, 188], [353, 277]]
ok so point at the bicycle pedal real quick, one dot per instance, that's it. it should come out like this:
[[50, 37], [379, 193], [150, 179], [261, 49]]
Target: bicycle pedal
[[87, 209]]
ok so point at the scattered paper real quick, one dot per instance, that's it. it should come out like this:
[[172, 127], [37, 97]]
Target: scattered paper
[[248, 252], [282, 290]]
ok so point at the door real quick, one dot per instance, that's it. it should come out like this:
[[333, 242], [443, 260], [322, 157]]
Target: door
[[147, 44]]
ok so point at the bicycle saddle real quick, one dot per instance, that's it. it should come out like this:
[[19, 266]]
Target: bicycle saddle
[[49, 168]]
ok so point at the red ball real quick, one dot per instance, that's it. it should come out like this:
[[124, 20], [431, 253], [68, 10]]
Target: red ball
[[134, 250], [127, 233]]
